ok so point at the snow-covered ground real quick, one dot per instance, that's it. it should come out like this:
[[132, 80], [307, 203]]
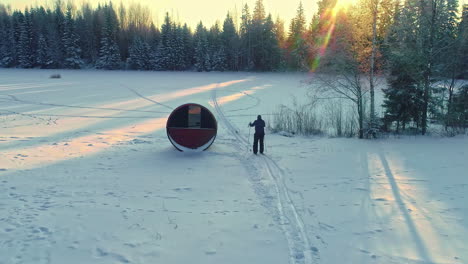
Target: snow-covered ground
[[87, 175]]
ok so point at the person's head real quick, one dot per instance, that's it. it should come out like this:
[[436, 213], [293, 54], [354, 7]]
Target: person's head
[[259, 117]]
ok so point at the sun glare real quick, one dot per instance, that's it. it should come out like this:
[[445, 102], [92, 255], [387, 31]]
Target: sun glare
[[340, 5], [327, 30]]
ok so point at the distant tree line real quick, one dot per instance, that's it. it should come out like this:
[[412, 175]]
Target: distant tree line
[[419, 46], [109, 37]]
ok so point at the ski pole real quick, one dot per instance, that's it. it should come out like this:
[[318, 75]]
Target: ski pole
[[248, 139]]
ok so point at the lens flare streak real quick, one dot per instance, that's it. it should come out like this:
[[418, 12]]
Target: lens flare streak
[[324, 42]]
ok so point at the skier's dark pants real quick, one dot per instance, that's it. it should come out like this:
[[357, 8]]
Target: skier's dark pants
[[258, 137]]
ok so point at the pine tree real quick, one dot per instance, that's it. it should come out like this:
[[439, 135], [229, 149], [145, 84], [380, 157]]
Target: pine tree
[[403, 96], [297, 44], [216, 50], [72, 50], [167, 57], [455, 65], [280, 34], [422, 44], [460, 108], [259, 12], [462, 44], [89, 30], [270, 52], [109, 55], [56, 34], [138, 55], [6, 38], [24, 43], [230, 44], [402, 99], [43, 58], [187, 47], [218, 60], [436, 28], [202, 56], [257, 39], [159, 59], [178, 46], [246, 38]]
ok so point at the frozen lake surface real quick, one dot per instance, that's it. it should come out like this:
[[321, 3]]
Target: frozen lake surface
[[87, 175]]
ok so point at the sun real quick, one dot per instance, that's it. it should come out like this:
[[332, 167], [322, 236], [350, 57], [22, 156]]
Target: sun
[[341, 5]]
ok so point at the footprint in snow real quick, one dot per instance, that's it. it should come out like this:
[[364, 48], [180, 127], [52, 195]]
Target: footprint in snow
[[186, 189], [139, 141], [361, 189], [210, 252], [118, 257]]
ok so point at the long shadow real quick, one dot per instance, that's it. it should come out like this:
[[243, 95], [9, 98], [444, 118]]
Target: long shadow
[[101, 122], [91, 143], [418, 240]]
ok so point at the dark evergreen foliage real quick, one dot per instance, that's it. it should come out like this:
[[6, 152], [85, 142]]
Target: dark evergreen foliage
[[72, 51], [108, 38], [423, 47]]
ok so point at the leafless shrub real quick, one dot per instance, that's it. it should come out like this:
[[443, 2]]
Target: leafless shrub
[[298, 119], [341, 120]]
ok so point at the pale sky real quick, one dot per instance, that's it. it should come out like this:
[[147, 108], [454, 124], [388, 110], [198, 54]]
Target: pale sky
[[192, 11], [208, 11]]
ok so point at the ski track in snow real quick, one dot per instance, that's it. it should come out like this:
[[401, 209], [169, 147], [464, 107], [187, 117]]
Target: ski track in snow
[[300, 249]]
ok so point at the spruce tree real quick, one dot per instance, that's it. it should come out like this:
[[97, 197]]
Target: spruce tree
[[6, 38], [167, 57], [402, 99], [257, 40], [298, 46], [24, 42], [270, 50], [187, 47], [246, 38], [460, 111], [403, 95], [462, 43], [138, 55], [56, 34], [72, 51], [216, 49], [202, 56], [159, 59], [43, 58], [178, 47], [230, 42], [109, 55]]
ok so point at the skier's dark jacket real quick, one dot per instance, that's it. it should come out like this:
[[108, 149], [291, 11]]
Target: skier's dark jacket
[[259, 125]]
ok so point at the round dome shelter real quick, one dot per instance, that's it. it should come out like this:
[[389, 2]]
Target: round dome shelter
[[191, 127]]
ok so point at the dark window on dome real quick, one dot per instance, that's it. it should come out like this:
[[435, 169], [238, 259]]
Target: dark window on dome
[[179, 118], [207, 119]]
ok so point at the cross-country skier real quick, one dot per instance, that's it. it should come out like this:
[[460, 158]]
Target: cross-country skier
[[259, 135]]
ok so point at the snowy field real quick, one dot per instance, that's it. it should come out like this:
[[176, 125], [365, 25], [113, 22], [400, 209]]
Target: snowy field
[[87, 175]]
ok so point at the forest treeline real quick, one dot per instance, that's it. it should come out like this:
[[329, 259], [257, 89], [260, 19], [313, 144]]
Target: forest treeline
[[420, 46]]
